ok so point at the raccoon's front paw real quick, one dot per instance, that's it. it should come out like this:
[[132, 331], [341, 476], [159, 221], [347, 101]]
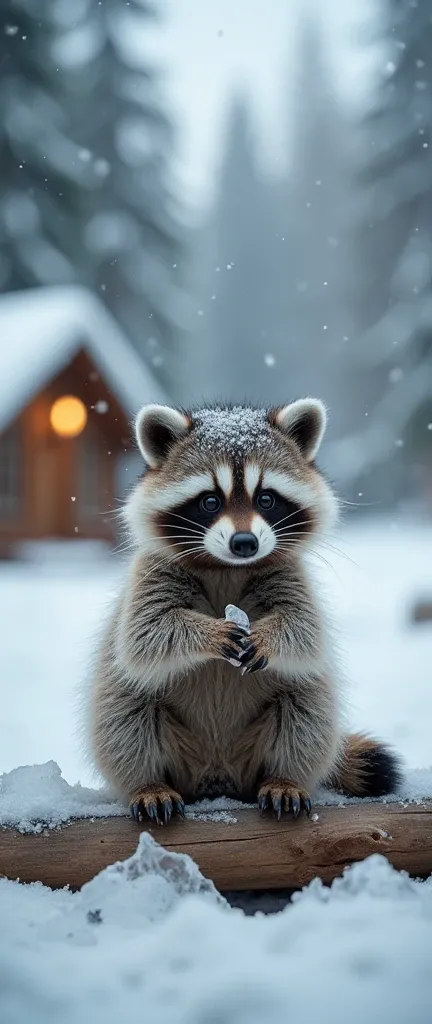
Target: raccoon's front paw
[[255, 655], [283, 795], [156, 802], [228, 641]]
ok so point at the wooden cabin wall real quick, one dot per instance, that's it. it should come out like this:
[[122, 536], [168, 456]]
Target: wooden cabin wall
[[68, 484]]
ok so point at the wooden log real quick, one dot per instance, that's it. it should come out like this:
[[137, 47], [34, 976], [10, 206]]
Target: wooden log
[[253, 853]]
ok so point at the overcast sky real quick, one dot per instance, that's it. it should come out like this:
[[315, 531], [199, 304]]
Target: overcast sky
[[208, 47]]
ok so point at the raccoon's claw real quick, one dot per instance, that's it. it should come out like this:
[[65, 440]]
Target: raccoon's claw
[[152, 812], [283, 797], [157, 803], [230, 641], [251, 659], [249, 651], [231, 654], [257, 666], [294, 806], [135, 812], [180, 808]]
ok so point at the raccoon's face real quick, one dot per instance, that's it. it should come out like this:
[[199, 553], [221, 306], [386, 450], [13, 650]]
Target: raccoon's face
[[230, 486]]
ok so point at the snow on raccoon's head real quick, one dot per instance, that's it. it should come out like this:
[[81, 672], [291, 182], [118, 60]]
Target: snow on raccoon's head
[[230, 485]]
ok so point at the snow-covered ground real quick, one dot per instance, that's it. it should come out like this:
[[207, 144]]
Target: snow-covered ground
[[50, 612], [152, 937]]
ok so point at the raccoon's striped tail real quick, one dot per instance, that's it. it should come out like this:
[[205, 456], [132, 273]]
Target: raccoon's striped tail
[[366, 767]]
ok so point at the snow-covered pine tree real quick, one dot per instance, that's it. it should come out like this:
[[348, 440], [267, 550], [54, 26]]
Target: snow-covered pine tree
[[390, 369], [236, 313], [130, 246], [35, 153], [84, 155], [313, 210]]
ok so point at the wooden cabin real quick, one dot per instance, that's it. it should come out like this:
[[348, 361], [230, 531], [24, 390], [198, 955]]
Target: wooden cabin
[[70, 384]]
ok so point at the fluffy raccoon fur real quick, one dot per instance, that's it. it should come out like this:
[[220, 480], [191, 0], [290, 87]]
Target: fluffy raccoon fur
[[183, 705]]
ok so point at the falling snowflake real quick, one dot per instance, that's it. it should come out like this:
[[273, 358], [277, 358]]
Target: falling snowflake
[[399, 443], [11, 30], [102, 168], [101, 406], [73, 498], [395, 375], [269, 359], [84, 155]]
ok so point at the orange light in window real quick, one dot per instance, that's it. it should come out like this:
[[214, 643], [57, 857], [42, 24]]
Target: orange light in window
[[68, 416]]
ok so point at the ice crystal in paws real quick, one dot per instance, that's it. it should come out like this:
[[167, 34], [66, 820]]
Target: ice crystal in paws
[[232, 430], [238, 616]]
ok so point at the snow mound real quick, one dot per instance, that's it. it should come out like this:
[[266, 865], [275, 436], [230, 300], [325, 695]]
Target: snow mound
[[133, 893], [151, 935], [37, 797]]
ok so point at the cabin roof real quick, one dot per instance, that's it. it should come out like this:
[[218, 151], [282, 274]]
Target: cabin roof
[[41, 331]]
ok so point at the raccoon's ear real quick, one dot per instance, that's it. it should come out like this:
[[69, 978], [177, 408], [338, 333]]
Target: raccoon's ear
[[157, 428], [305, 422]]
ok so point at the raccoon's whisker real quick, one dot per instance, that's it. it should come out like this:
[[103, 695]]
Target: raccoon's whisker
[[120, 548], [186, 520], [181, 543], [304, 508], [177, 526], [111, 512], [324, 560], [337, 551], [358, 504], [287, 530], [179, 536], [184, 553], [286, 546]]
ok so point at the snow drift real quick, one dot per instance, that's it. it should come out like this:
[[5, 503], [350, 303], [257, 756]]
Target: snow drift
[[152, 937]]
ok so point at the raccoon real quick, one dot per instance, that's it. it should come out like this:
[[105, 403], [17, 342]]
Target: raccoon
[[184, 704]]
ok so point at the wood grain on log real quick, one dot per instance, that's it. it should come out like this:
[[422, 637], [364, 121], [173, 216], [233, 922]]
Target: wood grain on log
[[252, 853]]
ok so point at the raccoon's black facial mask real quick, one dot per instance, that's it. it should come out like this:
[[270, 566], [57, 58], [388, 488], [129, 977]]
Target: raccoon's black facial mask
[[202, 510], [279, 511]]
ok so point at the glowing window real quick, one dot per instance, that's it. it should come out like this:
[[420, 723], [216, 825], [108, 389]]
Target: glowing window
[[68, 416]]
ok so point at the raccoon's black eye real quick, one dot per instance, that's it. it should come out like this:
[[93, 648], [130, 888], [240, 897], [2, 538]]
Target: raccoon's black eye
[[266, 500], [210, 503]]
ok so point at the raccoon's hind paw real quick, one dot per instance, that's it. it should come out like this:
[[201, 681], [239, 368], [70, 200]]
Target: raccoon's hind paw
[[157, 803], [282, 795]]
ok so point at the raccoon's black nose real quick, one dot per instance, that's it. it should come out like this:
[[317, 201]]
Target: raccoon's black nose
[[244, 545]]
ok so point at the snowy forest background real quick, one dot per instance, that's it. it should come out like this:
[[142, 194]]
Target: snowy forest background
[[312, 277]]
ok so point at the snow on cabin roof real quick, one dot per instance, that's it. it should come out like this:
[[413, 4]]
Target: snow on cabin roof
[[42, 329]]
